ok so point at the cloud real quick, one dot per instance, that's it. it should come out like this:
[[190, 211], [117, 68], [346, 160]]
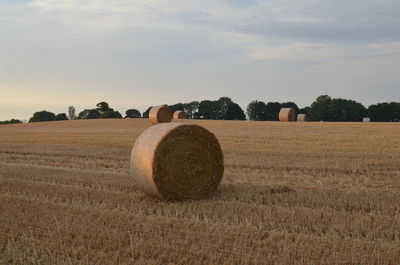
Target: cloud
[[297, 20], [319, 52], [244, 48]]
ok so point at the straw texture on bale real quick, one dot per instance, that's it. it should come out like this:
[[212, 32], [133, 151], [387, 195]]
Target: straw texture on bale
[[366, 120], [302, 117], [287, 114], [180, 115], [176, 161], [160, 114]]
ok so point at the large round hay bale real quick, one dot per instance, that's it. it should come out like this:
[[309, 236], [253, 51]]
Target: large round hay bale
[[179, 114], [160, 114], [287, 114], [302, 117], [176, 161]]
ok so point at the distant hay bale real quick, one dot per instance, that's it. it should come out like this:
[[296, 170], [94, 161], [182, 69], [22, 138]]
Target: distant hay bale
[[179, 114], [302, 117], [160, 114], [367, 120], [287, 114], [176, 161]]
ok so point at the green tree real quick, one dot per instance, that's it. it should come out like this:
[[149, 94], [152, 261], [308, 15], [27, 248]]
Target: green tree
[[146, 113], [209, 110], [12, 121], [175, 107], [347, 110], [256, 111], [71, 113], [272, 110], [290, 105], [234, 112], [110, 114], [132, 113], [191, 109], [61, 117], [106, 112], [321, 108], [89, 114], [307, 111], [102, 107], [384, 112], [42, 116], [324, 108], [222, 105]]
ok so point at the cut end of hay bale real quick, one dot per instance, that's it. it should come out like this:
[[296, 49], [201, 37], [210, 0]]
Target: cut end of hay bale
[[179, 114], [176, 161], [302, 117], [160, 114], [287, 114]]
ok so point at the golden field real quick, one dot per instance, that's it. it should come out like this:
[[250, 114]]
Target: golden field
[[292, 193]]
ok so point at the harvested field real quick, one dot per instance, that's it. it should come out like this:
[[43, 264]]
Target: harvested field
[[292, 193]]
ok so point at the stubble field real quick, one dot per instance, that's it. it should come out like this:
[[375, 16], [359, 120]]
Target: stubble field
[[292, 193]]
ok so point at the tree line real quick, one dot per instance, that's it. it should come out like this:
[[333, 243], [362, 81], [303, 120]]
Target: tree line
[[12, 121], [324, 108], [221, 109]]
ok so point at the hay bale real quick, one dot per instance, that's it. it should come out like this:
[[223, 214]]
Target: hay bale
[[302, 117], [287, 114], [366, 119], [160, 114], [176, 161], [179, 114]]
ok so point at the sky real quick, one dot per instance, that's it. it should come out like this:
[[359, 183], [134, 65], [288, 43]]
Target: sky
[[134, 54]]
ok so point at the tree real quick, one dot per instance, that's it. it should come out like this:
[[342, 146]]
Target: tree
[[191, 109], [146, 113], [12, 121], [307, 111], [384, 112], [256, 111], [110, 114], [106, 112], [89, 114], [234, 112], [61, 117], [272, 110], [222, 109], [321, 108], [102, 106], [42, 116], [395, 108], [347, 110], [132, 113], [290, 105], [324, 108], [175, 107], [222, 105], [71, 113], [209, 110]]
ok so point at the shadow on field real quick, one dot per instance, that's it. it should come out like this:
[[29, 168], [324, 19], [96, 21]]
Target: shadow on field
[[227, 192], [249, 192]]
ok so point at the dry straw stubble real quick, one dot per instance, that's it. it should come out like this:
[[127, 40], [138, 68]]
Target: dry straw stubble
[[176, 161], [287, 114], [160, 114], [180, 115]]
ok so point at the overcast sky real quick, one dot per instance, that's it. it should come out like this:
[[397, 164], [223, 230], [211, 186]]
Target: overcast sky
[[132, 54]]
